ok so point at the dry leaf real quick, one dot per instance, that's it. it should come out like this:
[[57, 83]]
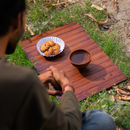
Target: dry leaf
[[62, 3], [48, 6], [8, 60], [113, 98], [122, 92], [58, 1], [103, 105], [98, 100], [115, 4], [34, 1], [124, 97], [14, 63], [87, 108], [51, 17], [28, 2], [97, 7], [104, 7], [117, 128], [128, 87], [29, 29]]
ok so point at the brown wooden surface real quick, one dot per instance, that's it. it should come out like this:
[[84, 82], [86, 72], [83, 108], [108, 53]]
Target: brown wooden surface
[[100, 74]]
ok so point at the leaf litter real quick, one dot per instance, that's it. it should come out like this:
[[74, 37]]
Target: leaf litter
[[63, 4], [103, 25], [124, 93]]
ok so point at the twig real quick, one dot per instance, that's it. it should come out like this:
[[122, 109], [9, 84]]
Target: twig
[[98, 22], [29, 29]]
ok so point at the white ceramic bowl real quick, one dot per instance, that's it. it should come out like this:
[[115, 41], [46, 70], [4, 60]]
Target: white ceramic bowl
[[55, 40]]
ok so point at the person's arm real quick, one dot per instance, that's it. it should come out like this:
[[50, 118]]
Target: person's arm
[[37, 112], [69, 104]]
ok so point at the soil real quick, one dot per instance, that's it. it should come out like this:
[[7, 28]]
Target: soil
[[122, 18]]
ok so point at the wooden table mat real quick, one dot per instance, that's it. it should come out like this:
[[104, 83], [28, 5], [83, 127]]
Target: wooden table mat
[[100, 74]]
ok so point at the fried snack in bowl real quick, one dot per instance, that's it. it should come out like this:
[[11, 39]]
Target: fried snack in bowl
[[57, 42], [51, 43], [56, 50], [45, 46], [49, 51]]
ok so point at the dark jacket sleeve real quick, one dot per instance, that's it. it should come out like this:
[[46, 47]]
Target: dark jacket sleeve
[[36, 112]]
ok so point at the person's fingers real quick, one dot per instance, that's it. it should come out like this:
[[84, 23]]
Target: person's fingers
[[61, 71], [55, 84], [45, 76], [54, 92], [53, 69], [60, 76], [48, 69]]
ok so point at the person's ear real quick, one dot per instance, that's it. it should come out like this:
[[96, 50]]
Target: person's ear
[[17, 23]]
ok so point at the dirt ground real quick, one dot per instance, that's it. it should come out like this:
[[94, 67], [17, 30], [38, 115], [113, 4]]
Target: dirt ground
[[122, 18]]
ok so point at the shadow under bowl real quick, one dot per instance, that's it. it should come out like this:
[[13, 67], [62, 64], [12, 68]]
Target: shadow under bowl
[[80, 58]]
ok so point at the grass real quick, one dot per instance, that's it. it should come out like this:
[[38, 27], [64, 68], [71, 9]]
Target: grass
[[41, 19]]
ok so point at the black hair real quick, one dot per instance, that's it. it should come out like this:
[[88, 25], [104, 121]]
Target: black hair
[[9, 10]]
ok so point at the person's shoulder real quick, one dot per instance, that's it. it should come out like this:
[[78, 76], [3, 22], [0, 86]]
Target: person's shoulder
[[16, 74]]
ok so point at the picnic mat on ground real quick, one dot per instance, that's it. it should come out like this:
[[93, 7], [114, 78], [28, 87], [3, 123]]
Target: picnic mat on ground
[[100, 74]]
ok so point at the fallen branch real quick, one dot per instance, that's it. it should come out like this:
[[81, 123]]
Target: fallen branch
[[29, 29], [98, 22]]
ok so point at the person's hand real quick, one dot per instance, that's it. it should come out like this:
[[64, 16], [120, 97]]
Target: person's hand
[[61, 78], [47, 78]]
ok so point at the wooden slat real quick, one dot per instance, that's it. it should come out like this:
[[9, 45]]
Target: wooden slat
[[100, 87], [100, 74]]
